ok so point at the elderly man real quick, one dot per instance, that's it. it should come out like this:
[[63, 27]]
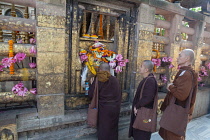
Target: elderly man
[[108, 103], [185, 80], [147, 100]]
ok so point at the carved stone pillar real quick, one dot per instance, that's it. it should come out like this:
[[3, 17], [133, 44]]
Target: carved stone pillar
[[173, 48], [50, 57], [143, 49]]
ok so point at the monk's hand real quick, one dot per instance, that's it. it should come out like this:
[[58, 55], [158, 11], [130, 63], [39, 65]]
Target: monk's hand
[[168, 86], [135, 111], [91, 80]]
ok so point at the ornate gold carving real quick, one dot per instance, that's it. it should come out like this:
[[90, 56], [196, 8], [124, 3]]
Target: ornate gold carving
[[161, 70], [160, 83], [146, 35], [10, 97], [76, 102], [162, 54]]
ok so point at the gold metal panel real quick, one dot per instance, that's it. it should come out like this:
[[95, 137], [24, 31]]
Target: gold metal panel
[[50, 63], [51, 21], [50, 84], [50, 40], [8, 132], [10, 97], [50, 105], [74, 102]]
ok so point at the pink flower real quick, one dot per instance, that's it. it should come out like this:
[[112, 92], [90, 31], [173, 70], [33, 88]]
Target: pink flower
[[199, 79], [156, 62], [203, 71], [6, 62], [164, 78], [32, 65], [208, 65], [170, 59], [22, 92], [1, 67], [20, 41], [32, 41], [33, 91], [171, 66], [112, 64], [20, 56], [20, 89], [202, 84], [126, 60], [165, 59], [122, 63], [118, 69], [33, 50], [83, 58], [119, 57]]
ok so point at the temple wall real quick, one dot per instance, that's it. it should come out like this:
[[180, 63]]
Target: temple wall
[[61, 107]]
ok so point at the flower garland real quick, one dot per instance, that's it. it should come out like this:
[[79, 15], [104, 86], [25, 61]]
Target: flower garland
[[11, 55], [98, 53]]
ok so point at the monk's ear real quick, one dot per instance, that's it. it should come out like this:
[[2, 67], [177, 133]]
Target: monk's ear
[[187, 58]]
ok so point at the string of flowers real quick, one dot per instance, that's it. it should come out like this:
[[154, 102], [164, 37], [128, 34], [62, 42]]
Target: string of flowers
[[11, 55], [98, 53]]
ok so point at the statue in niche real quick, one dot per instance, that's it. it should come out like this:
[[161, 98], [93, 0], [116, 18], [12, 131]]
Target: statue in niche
[[6, 134]]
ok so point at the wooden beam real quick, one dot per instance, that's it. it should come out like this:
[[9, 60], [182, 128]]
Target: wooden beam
[[17, 24], [160, 39], [25, 48], [28, 3]]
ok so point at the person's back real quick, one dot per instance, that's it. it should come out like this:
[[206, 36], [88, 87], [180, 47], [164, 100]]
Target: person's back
[[108, 104]]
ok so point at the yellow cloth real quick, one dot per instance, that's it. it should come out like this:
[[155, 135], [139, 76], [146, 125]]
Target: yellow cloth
[[103, 76]]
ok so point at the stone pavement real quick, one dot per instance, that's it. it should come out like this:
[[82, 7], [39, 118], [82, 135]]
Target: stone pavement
[[197, 129]]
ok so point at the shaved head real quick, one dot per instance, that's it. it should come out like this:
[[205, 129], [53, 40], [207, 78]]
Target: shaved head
[[190, 53], [148, 64], [104, 67]]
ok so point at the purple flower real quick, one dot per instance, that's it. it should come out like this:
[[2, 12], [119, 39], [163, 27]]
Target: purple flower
[[19, 89], [119, 57], [20, 41], [203, 71], [202, 84], [118, 69], [32, 65], [165, 59], [22, 92], [6, 62], [1, 67], [156, 62], [33, 50], [171, 66], [126, 60], [199, 79], [170, 59], [33, 91], [112, 64], [122, 63], [32, 41], [83, 58], [164, 78], [20, 56], [208, 65]]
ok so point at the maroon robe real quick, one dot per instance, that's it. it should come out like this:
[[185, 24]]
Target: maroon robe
[[180, 89], [147, 100], [109, 108]]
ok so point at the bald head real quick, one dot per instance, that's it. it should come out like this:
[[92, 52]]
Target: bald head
[[104, 67], [189, 53], [148, 64]]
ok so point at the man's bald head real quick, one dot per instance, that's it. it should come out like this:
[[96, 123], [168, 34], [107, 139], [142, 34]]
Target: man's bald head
[[148, 64], [189, 53], [104, 67]]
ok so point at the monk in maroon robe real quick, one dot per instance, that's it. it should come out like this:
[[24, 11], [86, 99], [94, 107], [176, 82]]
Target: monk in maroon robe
[[108, 104], [147, 100], [185, 80]]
